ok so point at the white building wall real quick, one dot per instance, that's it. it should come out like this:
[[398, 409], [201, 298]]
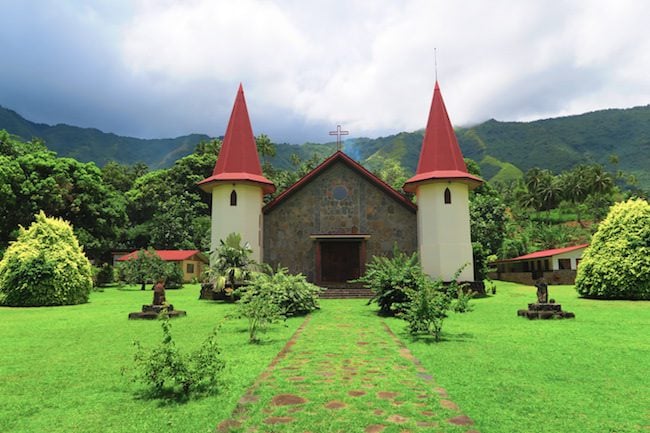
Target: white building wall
[[573, 255], [245, 218], [444, 239]]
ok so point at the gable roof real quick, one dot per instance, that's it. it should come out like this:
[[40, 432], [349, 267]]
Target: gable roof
[[544, 253], [339, 156], [238, 159], [168, 255], [440, 155]]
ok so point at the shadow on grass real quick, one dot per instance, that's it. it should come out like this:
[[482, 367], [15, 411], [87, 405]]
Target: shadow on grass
[[173, 397], [463, 337]]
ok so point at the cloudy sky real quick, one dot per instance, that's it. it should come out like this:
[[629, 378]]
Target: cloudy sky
[[167, 68]]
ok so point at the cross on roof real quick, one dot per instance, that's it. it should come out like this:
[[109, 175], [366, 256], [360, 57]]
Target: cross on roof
[[338, 134]]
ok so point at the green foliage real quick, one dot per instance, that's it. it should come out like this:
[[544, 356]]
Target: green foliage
[[427, 307], [429, 302], [146, 268], [390, 279], [172, 275], [231, 264], [617, 263], [291, 293], [169, 373], [103, 275], [45, 266], [260, 307], [34, 179]]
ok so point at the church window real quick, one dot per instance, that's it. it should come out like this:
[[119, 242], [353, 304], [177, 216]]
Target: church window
[[340, 192], [447, 196], [233, 198]]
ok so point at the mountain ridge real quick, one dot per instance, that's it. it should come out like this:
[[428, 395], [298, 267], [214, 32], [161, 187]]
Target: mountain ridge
[[503, 149]]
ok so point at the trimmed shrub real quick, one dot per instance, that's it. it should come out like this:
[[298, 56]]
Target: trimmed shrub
[[45, 266], [616, 265]]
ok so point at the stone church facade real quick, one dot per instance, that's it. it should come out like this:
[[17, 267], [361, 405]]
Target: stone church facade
[[328, 225]]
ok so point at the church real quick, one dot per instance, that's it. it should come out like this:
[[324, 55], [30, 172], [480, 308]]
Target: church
[[330, 223]]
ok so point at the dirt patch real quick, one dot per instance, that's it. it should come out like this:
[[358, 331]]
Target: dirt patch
[[375, 428], [441, 392], [428, 413], [461, 420], [362, 343], [427, 424], [296, 378], [278, 420], [397, 419], [248, 399], [387, 395], [378, 412], [227, 425], [448, 404], [287, 400], [335, 404], [356, 393]]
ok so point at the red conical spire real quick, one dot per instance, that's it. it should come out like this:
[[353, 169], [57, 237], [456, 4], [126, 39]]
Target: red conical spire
[[440, 156], [238, 159]]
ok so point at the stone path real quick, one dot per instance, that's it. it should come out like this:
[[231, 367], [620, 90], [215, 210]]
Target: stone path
[[342, 374]]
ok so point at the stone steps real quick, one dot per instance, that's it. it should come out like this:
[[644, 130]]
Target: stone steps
[[346, 293]]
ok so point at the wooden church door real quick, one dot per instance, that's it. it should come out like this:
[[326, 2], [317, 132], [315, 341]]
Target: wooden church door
[[340, 261]]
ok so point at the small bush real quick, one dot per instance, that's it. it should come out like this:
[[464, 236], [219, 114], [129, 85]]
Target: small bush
[[172, 274], [259, 306], [169, 373], [390, 279], [45, 266], [427, 307], [293, 294], [103, 275]]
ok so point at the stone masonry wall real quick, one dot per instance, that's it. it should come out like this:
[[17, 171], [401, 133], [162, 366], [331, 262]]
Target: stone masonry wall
[[338, 201]]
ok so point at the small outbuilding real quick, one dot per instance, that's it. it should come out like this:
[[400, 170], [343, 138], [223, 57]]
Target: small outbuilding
[[557, 266], [191, 262]]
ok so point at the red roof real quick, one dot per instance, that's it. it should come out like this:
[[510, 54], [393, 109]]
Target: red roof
[[342, 157], [440, 155], [238, 159], [545, 253], [166, 255]]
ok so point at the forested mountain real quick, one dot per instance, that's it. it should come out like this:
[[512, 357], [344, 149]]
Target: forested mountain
[[504, 150], [90, 144]]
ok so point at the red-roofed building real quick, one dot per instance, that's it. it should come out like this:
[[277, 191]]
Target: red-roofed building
[[557, 266], [191, 262]]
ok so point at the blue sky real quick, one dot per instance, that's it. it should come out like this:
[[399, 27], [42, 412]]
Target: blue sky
[[167, 68]]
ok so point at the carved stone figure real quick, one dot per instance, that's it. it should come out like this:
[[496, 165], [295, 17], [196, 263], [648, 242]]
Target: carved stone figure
[[159, 293], [542, 291]]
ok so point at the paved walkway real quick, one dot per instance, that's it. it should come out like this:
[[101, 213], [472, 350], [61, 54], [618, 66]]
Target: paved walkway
[[346, 374]]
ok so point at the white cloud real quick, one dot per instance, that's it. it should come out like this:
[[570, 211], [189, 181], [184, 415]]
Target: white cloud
[[175, 64]]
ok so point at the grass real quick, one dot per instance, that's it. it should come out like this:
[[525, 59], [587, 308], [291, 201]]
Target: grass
[[511, 374], [60, 367]]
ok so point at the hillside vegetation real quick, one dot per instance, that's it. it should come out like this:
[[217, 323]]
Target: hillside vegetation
[[504, 150]]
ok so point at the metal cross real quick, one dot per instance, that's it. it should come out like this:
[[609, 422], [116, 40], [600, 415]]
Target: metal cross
[[338, 134]]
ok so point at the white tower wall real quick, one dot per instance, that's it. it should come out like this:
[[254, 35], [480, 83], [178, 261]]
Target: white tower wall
[[245, 218], [444, 240]]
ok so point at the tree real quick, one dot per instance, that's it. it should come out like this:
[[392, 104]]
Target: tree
[[145, 268], [45, 266], [617, 263]]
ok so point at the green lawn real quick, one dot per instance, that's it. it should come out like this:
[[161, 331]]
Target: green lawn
[[60, 367], [590, 374]]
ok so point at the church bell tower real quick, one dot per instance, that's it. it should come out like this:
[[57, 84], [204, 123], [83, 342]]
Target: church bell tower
[[442, 184], [237, 184]]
